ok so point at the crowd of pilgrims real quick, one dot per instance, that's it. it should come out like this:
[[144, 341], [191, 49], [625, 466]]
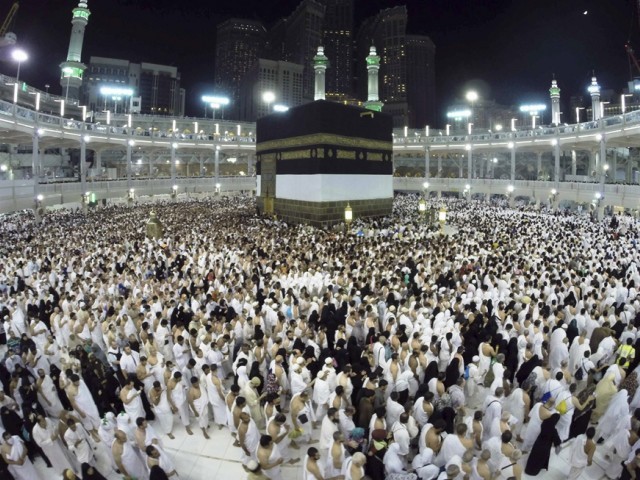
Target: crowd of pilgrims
[[387, 350]]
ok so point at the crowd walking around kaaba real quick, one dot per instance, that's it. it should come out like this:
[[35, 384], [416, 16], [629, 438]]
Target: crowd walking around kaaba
[[386, 350]]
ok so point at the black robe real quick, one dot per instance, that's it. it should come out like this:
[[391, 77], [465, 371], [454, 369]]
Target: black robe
[[541, 450]]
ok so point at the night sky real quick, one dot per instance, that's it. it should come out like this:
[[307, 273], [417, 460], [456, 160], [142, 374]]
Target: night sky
[[508, 49]]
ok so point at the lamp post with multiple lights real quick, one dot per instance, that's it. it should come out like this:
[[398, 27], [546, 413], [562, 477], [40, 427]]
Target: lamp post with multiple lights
[[19, 56]]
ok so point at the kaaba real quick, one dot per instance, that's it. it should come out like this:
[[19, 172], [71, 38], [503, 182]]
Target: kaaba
[[315, 159]]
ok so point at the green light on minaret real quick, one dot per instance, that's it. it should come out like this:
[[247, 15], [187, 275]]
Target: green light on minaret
[[81, 13]]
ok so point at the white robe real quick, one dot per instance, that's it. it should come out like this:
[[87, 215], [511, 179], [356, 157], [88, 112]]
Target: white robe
[[85, 402], [132, 462], [217, 404], [82, 451], [55, 450], [26, 471], [163, 413], [134, 408], [49, 392]]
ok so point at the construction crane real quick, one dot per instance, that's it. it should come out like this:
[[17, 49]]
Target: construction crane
[[632, 57], [9, 19], [633, 60]]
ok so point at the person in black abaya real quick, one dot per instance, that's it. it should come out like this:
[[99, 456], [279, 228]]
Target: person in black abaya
[[511, 358], [526, 368], [91, 473], [430, 372], [541, 450], [452, 373], [156, 473]]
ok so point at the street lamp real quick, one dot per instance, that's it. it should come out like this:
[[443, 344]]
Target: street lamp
[[623, 102], [533, 110], [268, 98], [19, 56], [472, 97], [442, 218], [348, 214], [422, 207], [553, 195], [216, 101]]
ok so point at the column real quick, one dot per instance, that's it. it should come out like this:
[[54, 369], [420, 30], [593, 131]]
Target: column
[[216, 159], [174, 146], [83, 165], [35, 173], [35, 163], [513, 163], [539, 165], [556, 165], [427, 163], [469, 163], [97, 155], [574, 162], [250, 165], [439, 174], [602, 162], [150, 166], [614, 166], [130, 145], [201, 165]]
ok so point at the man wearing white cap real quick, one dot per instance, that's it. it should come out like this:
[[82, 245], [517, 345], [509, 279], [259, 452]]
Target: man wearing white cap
[[321, 394], [473, 378], [254, 471], [331, 373]]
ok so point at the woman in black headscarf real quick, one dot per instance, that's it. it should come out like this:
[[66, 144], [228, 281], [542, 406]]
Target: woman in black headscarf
[[156, 473], [452, 373], [91, 473], [541, 450], [511, 358], [526, 368], [430, 372]]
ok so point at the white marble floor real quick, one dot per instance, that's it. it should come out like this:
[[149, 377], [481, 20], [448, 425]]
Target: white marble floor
[[197, 458]]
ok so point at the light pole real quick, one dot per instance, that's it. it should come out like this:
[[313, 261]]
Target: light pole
[[348, 216], [268, 98], [472, 97], [19, 56], [215, 101], [623, 102], [442, 218]]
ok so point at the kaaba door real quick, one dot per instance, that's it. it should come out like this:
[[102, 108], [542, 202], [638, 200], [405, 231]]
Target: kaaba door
[[268, 183]]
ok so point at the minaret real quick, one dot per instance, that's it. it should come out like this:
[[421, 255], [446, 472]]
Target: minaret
[[73, 69], [320, 64], [594, 90], [373, 68], [554, 92]]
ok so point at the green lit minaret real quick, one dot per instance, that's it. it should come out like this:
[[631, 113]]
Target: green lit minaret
[[73, 68], [373, 68], [554, 92], [320, 64]]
